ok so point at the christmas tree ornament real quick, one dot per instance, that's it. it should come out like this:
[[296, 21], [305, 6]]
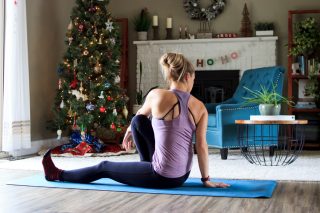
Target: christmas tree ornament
[[81, 88], [113, 41], [109, 98], [85, 52], [70, 39], [117, 79], [80, 27], [125, 112], [101, 95], [102, 109], [107, 85], [75, 62], [74, 83], [79, 95], [119, 129], [97, 68], [114, 112], [90, 107], [62, 105], [109, 26], [60, 83], [117, 61], [113, 126], [59, 133], [70, 26], [100, 40], [70, 113]]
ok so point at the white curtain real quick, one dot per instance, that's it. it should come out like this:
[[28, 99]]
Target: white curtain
[[16, 106], [1, 64]]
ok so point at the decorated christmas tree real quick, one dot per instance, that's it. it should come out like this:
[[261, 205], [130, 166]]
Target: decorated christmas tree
[[89, 94]]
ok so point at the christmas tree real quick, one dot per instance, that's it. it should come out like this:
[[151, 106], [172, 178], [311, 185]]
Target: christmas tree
[[89, 94]]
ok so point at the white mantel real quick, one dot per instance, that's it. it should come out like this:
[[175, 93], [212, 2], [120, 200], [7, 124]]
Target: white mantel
[[227, 54]]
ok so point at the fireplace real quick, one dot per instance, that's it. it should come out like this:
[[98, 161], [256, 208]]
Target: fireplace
[[214, 86], [217, 55]]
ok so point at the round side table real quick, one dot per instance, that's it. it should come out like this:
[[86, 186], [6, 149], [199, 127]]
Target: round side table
[[271, 142]]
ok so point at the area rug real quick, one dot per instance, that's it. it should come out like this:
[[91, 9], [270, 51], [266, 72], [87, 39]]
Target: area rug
[[305, 168], [192, 187]]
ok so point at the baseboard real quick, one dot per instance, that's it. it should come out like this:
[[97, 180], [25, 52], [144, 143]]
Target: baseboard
[[38, 145]]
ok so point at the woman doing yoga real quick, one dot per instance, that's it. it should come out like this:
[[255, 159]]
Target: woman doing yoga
[[162, 132]]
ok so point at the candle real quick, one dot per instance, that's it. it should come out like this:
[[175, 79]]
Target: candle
[[155, 21], [169, 22]]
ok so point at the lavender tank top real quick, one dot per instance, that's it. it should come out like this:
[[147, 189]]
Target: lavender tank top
[[173, 141]]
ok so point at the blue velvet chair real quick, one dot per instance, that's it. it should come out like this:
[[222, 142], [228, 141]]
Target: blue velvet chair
[[222, 130]]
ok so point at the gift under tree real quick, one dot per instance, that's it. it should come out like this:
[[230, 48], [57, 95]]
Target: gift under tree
[[89, 94]]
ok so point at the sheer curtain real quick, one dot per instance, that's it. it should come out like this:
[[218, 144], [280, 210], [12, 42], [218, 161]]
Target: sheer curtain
[[16, 96], [1, 64]]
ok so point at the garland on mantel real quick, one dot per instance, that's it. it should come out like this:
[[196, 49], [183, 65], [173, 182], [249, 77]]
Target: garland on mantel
[[198, 12]]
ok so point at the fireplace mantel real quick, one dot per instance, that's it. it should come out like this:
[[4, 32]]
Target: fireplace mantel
[[205, 54]]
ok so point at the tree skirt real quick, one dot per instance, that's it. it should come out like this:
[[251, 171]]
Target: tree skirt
[[85, 150]]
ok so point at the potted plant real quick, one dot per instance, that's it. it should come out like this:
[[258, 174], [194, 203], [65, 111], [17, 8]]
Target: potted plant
[[142, 23], [306, 37], [312, 87], [264, 28], [269, 101]]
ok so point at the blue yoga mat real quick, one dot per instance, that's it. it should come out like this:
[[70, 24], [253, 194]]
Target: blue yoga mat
[[192, 187]]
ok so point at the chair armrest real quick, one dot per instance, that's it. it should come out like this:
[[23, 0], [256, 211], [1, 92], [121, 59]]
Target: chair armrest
[[211, 107], [228, 113]]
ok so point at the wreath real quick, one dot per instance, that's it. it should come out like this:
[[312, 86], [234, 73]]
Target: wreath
[[197, 12]]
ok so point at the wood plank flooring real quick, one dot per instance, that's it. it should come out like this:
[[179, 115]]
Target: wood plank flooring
[[288, 197]]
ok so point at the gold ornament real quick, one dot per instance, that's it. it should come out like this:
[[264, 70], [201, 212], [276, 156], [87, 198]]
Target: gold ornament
[[70, 26], [97, 68], [81, 88], [125, 112], [85, 52], [70, 113]]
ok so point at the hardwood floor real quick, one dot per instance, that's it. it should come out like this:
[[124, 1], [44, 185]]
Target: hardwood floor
[[288, 197]]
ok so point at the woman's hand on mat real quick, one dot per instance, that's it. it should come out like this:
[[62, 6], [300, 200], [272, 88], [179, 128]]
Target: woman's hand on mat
[[215, 185]]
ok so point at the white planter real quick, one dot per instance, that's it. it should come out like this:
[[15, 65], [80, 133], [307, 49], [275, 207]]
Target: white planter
[[142, 36], [264, 33]]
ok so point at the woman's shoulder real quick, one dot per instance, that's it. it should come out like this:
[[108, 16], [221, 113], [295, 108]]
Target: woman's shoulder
[[196, 104], [158, 91]]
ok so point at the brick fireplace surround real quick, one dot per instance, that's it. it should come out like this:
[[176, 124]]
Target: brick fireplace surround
[[205, 54]]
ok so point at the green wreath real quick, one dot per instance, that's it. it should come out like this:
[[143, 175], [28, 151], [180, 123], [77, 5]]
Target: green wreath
[[197, 12]]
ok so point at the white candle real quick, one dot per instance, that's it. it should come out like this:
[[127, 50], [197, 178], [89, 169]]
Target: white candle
[[155, 21], [169, 22]]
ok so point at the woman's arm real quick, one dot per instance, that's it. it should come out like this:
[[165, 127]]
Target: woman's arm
[[127, 141], [202, 150]]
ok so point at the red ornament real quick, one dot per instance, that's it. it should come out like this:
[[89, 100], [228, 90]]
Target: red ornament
[[102, 109], [109, 98], [74, 83], [113, 126], [80, 27]]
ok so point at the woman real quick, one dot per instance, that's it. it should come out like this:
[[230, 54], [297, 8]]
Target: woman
[[164, 143]]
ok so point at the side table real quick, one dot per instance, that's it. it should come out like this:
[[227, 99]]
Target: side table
[[271, 142]]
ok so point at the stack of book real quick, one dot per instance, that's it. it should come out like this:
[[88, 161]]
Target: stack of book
[[272, 117]]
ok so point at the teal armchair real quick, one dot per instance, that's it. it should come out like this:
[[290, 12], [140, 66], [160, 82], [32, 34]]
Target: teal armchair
[[222, 130]]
